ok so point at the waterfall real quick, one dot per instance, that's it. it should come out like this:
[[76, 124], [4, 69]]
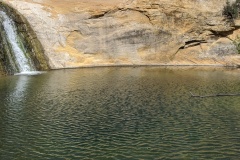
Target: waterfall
[[19, 55]]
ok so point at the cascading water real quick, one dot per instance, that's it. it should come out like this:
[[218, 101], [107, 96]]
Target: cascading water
[[19, 56]]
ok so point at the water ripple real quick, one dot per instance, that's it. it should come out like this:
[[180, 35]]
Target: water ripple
[[120, 113]]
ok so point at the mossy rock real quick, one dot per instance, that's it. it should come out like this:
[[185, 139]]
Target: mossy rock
[[28, 38]]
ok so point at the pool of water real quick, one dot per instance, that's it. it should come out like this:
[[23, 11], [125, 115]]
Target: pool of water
[[120, 114]]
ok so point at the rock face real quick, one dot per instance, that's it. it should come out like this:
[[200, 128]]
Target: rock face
[[131, 32]]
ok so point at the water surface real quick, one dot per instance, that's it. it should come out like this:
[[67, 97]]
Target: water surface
[[120, 113]]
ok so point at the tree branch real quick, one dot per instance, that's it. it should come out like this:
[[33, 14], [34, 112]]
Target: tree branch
[[214, 95]]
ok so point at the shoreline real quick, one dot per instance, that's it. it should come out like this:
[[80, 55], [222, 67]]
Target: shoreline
[[151, 65]]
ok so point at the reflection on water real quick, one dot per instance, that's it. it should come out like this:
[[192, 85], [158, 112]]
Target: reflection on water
[[18, 93], [120, 113]]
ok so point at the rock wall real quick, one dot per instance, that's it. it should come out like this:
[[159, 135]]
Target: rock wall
[[131, 32]]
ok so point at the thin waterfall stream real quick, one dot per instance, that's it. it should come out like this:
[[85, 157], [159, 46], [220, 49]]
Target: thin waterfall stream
[[23, 63]]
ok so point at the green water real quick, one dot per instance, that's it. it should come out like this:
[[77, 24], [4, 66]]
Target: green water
[[120, 114]]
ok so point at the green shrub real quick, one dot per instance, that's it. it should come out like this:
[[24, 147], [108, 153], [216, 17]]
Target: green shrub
[[231, 10], [236, 42]]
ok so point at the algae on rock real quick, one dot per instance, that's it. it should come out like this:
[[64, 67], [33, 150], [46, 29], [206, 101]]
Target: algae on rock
[[27, 40]]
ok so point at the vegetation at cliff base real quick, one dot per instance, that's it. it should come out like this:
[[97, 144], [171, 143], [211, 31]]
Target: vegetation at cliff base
[[236, 42], [232, 11]]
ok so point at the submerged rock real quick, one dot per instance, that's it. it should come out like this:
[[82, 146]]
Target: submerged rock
[[131, 32]]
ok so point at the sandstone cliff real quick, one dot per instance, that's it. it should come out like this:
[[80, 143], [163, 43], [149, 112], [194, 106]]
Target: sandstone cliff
[[131, 32]]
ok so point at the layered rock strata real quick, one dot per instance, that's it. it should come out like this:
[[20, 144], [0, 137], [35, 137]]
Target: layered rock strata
[[131, 32]]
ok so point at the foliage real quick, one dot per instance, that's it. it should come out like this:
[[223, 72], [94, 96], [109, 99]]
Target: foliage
[[236, 42], [231, 10]]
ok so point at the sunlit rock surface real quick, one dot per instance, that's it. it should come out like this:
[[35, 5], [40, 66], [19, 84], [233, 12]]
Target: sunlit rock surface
[[131, 32]]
